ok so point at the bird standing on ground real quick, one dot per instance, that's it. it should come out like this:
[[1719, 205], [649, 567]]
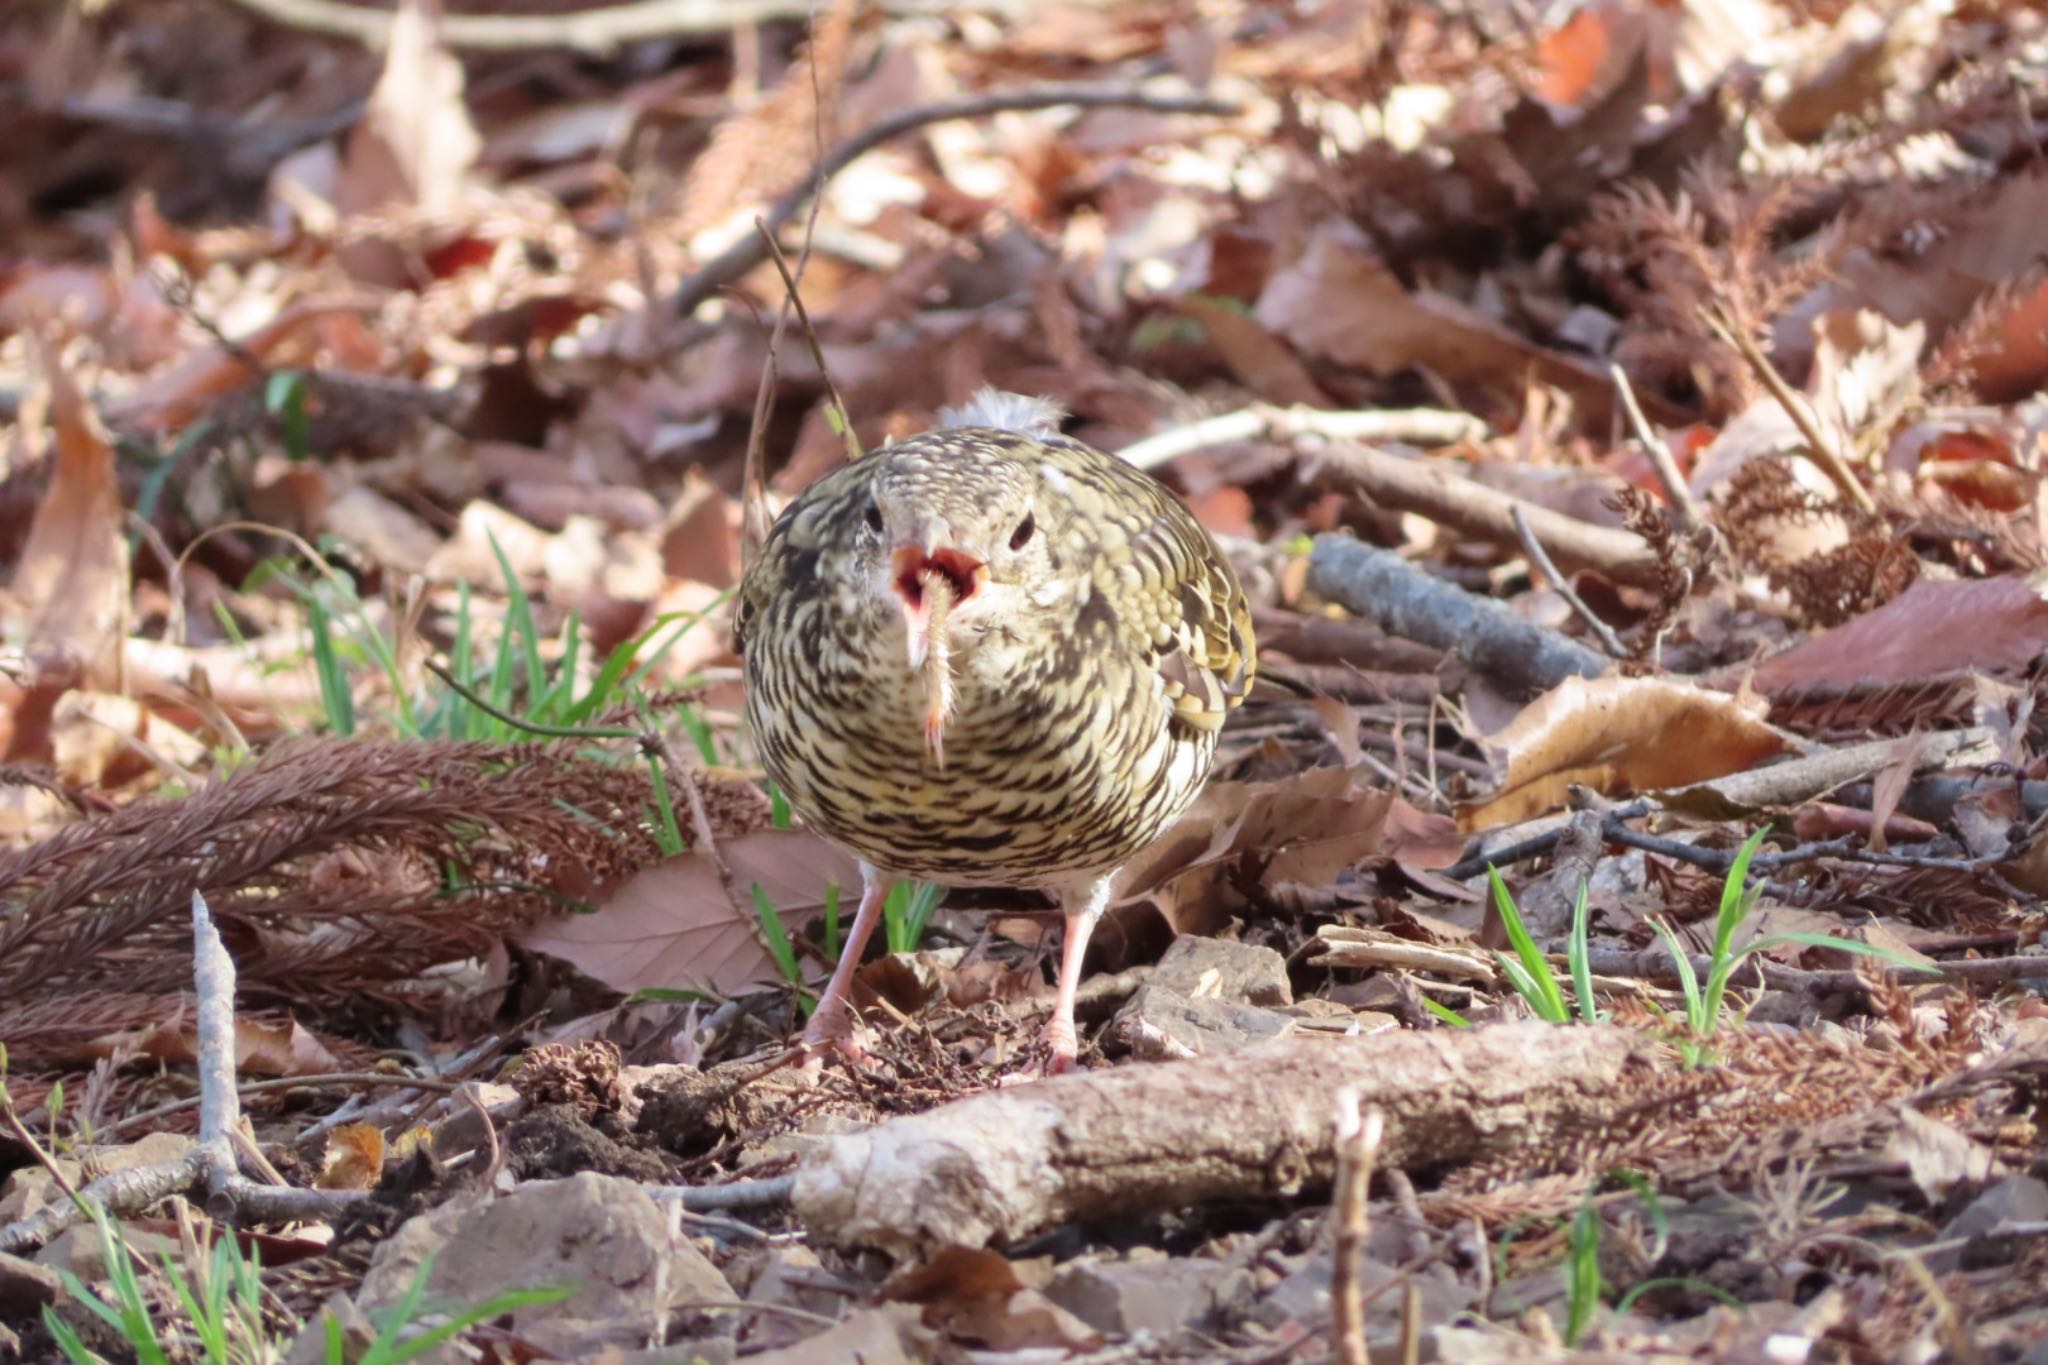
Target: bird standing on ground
[[989, 656]]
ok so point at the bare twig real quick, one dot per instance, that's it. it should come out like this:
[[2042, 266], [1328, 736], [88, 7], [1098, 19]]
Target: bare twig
[[1433, 489], [1677, 492], [1823, 451], [210, 1165], [534, 727], [1539, 560], [743, 255], [1358, 1146], [1420, 426], [594, 30], [1404, 600], [128, 1123], [220, 1107], [790, 280], [769, 1193]]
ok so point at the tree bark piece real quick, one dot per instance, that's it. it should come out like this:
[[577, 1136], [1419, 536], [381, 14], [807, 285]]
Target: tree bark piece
[[999, 1166], [1484, 634]]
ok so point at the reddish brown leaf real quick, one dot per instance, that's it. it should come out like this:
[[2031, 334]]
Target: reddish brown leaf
[[71, 586], [671, 925]]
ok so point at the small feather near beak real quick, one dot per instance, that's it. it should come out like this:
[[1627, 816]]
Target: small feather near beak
[[936, 666]]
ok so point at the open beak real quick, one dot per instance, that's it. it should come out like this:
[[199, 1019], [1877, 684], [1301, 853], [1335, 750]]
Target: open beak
[[921, 575]]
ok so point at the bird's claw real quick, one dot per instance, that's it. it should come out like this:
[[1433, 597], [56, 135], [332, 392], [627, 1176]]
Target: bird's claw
[[833, 1031], [1058, 1053]]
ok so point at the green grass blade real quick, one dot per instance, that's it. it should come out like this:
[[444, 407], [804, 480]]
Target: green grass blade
[[1584, 1281], [1445, 1013], [335, 696], [776, 937], [1688, 980], [1579, 955], [1551, 1005]]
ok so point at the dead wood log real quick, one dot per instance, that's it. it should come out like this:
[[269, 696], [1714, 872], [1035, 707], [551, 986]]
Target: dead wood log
[[1001, 1165]]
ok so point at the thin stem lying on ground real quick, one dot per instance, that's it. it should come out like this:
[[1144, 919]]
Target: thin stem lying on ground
[[1823, 450], [1539, 560], [1677, 492], [1417, 426], [593, 30]]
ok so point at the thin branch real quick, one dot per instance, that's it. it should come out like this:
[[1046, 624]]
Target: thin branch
[[1539, 559], [1418, 426], [769, 1193], [530, 726], [1358, 1147], [1823, 451], [1434, 490], [727, 268], [803, 317], [596, 30], [130, 1122], [1677, 491]]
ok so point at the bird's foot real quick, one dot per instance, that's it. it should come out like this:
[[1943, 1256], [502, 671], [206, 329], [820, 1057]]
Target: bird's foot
[[1056, 1054], [829, 1032]]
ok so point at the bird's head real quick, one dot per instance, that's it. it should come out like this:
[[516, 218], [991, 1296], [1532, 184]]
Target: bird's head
[[950, 540]]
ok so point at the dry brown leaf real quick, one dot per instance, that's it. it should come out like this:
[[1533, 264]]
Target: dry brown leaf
[[1339, 302], [1260, 360], [354, 1159], [1616, 736], [1938, 1156], [264, 1047], [415, 145], [1995, 625], [175, 396], [699, 538], [671, 925], [71, 586], [1302, 830], [976, 1295]]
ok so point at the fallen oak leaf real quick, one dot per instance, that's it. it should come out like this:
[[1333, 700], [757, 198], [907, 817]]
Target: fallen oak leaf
[[1619, 736], [671, 925], [71, 586]]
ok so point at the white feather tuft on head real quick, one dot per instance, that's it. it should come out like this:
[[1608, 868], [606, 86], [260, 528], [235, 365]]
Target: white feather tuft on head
[[992, 407]]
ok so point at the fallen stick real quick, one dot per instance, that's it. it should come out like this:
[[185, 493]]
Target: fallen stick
[[1403, 600], [1432, 489], [1423, 426], [1001, 1165]]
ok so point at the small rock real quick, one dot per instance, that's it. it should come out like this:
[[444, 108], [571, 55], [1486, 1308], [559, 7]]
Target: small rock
[[604, 1236], [1304, 1297], [2015, 1199], [872, 1336], [26, 1286], [1212, 969], [1163, 1297], [29, 1189], [1158, 1024], [78, 1249]]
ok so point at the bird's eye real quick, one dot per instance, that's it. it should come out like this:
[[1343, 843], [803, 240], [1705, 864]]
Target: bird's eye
[[1021, 537], [875, 518]]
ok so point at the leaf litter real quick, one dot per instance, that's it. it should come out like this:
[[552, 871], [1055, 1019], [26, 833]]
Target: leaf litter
[[321, 361]]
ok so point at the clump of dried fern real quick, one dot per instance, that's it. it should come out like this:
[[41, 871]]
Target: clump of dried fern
[[334, 867]]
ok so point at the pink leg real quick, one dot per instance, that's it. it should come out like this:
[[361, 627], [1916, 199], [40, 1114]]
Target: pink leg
[[1059, 1030], [832, 1021]]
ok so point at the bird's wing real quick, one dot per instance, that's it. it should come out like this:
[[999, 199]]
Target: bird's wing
[[1183, 603]]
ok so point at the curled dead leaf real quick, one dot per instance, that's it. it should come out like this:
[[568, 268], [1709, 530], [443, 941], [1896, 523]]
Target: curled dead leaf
[[1617, 736]]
